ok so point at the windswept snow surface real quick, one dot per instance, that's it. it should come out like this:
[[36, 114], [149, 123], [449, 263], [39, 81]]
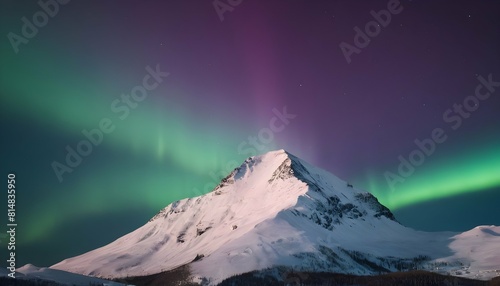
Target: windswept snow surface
[[277, 210]]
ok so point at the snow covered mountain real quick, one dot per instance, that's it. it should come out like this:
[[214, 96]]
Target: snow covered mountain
[[276, 210]]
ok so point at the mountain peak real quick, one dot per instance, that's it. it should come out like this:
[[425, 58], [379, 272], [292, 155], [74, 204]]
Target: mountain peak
[[269, 159], [276, 211], [269, 191], [287, 165]]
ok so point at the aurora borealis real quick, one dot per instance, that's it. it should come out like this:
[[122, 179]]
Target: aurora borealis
[[225, 78]]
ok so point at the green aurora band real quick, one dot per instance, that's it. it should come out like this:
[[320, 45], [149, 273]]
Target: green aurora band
[[472, 172]]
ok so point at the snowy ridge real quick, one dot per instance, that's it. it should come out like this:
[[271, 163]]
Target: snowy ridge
[[33, 273], [278, 210]]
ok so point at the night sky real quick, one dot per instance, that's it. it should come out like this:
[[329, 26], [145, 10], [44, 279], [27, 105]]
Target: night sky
[[213, 84]]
